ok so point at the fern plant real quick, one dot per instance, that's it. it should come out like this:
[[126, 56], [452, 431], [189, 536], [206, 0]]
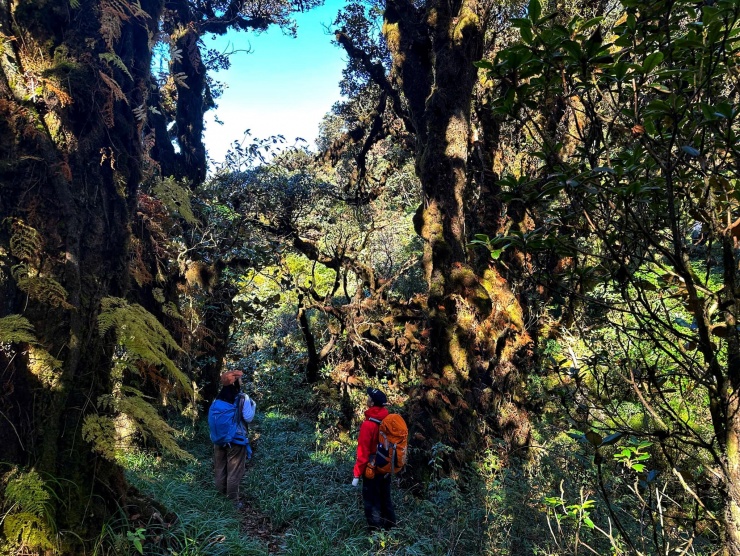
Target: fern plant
[[41, 288], [29, 522], [26, 244], [15, 329], [141, 336], [25, 241], [143, 344]]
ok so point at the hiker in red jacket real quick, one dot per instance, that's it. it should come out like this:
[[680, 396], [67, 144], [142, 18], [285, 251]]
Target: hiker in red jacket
[[376, 491]]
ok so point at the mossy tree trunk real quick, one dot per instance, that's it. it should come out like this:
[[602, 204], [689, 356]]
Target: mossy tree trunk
[[70, 158], [477, 340]]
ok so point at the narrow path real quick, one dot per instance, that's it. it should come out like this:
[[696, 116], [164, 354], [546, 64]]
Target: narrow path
[[257, 525], [254, 523]]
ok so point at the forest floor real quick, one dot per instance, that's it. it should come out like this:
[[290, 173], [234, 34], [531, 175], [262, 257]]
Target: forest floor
[[257, 525], [298, 501]]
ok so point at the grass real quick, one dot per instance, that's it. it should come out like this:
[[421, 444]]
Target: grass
[[300, 502], [304, 498]]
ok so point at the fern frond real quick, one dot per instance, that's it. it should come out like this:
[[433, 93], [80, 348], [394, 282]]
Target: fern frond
[[111, 436], [100, 431], [30, 522], [115, 59], [137, 10], [180, 79], [15, 329], [142, 335], [28, 531], [150, 424], [176, 197], [25, 241], [140, 112], [111, 21], [137, 266], [62, 96], [29, 492], [175, 54], [171, 310], [41, 288]]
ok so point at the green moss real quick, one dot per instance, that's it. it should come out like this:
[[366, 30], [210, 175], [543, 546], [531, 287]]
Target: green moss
[[467, 18], [445, 416], [392, 34], [459, 356], [449, 373], [637, 422]]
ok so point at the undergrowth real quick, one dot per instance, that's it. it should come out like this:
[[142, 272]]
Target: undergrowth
[[304, 495], [297, 490]]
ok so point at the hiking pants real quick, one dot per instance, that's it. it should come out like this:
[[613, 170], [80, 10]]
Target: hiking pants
[[228, 464], [376, 497]]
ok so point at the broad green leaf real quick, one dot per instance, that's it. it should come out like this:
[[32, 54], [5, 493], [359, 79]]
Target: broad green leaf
[[652, 62], [534, 11]]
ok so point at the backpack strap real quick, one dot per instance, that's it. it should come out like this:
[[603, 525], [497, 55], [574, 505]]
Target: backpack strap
[[240, 399], [374, 420]]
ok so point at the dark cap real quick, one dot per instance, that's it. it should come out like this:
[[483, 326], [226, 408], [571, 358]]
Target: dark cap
[[377, 396]]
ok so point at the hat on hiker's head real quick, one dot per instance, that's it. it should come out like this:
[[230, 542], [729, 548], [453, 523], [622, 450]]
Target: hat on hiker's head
[[377, 396], [229, 378]]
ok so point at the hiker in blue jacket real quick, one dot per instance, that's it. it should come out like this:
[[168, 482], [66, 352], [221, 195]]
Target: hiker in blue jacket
[[229, 460]]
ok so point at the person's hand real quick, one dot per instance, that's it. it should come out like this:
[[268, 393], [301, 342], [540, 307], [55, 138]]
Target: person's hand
[[355, 481]]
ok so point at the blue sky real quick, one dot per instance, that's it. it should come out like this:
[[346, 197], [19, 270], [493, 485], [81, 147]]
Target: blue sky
[[283, 86]]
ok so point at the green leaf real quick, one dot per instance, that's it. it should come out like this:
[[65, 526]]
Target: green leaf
[[611, 439], [660, 88], [652, 61], [604, 170], [587, 522], [691, 151], [591, 23], [534, 10]]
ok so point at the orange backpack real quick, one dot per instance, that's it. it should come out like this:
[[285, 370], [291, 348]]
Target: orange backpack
[[392, 451]]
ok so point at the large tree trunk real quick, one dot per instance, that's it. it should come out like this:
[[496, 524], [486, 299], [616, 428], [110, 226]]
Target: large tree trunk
[[70, 160], [476, 328]]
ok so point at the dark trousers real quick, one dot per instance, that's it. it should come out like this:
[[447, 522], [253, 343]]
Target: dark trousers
[[376, 497], [228, 469]]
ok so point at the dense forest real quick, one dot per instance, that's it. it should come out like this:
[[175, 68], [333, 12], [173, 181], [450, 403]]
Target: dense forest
[[522, 223]]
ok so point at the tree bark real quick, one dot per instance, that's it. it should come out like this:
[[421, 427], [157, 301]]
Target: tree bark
[[69, 169], [475, 323]]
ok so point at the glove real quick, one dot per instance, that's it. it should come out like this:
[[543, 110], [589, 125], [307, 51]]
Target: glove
[[355, 481]]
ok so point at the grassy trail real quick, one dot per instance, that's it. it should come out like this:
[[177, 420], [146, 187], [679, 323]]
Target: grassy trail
[[299, 502]]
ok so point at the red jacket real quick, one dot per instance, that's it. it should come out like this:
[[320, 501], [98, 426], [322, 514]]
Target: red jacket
[[367, 443]]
